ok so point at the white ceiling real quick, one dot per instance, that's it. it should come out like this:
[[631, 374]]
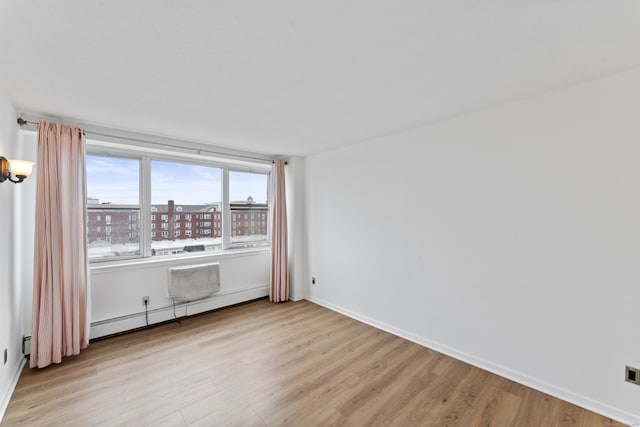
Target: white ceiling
[[297, 77]]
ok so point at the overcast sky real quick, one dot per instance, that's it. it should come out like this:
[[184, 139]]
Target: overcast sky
[[183, 183]]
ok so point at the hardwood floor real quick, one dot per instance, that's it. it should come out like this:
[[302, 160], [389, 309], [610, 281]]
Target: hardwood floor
[[263, 364]]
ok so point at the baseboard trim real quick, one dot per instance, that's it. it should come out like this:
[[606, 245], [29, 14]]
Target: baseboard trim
[[295, 298], [4, 403], [134, 321], [542, 386]]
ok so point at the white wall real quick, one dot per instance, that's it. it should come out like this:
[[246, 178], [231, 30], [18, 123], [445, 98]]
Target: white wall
[[295, 222], [509, 237], [25, 222], [10, 291]]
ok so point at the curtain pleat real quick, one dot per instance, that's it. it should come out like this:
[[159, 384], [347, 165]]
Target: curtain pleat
[[59, 318], [279, 290]]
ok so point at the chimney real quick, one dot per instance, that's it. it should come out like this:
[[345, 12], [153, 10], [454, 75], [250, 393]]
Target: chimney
[[171, 220]]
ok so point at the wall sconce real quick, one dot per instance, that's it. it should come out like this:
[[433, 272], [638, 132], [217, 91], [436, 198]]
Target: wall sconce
[[19, 168]]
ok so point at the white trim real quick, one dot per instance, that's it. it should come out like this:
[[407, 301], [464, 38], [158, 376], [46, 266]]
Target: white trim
[[559, 392], [150, 262], [4, 403], [293, 297]]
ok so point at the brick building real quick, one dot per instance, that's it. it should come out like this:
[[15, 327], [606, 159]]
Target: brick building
[[177, 222]]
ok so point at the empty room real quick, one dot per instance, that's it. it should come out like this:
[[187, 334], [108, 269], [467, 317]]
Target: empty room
[[309, 213]]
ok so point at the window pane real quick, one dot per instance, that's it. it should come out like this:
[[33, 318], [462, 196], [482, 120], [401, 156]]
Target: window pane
[[180, 190], [248, 194], [112, 180], [113, 233]]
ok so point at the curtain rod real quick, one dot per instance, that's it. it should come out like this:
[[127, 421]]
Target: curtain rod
[[22, 122], [162, 144]]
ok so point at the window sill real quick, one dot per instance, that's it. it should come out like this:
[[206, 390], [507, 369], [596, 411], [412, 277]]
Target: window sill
[[136, 263]]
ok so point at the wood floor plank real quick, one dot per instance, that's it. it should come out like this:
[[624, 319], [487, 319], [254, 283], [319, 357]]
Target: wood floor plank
[[263, 364]]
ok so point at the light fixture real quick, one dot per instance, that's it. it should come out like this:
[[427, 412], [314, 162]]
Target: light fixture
[[20, 169]]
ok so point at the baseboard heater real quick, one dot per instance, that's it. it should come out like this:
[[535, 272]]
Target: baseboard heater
[[26, 345], [186, 283], [167, 313]]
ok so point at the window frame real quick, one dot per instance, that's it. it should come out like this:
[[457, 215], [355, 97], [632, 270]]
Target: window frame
[[96, 147]]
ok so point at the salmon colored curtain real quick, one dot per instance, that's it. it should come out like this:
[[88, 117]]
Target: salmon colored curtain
[[279, 290], [59, 326]]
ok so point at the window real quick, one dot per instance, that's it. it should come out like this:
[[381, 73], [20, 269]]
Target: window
[[130, 190], [197, 188], [113, 183], [249, 194]]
